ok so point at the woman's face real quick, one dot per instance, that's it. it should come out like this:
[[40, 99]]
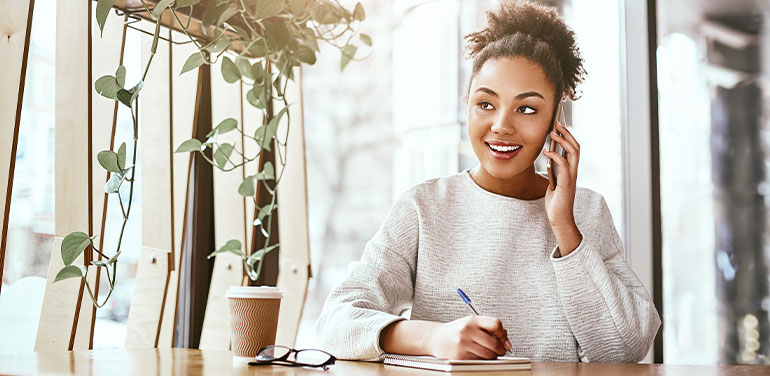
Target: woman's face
[[510, 104]]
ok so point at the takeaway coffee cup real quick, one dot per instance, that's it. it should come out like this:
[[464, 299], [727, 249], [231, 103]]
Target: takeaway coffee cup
[[253, 319]]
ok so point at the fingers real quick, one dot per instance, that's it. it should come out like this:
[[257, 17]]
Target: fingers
[[480, 351], [568, 135], [496, 337]]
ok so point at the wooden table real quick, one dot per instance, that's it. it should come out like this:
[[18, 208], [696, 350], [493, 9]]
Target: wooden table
[[196, 362]]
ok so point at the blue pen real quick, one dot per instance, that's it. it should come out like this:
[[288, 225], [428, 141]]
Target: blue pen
[[467, 301]]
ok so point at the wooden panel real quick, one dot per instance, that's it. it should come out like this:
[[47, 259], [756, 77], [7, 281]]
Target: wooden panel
[[149, 293], [15, 22], [292, 221], [71, 170], [229, 217], [147, 305], [59, 305], [183, 95]]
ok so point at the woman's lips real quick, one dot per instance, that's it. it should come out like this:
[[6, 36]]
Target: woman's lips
[[503, 155]]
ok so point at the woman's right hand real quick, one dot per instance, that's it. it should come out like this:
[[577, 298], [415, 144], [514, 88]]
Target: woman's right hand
[[472, 337]]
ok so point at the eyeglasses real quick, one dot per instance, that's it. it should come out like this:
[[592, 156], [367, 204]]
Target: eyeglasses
[[286, 356]]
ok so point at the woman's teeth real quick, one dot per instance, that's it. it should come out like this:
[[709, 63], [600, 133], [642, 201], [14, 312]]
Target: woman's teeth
[[504, 149]]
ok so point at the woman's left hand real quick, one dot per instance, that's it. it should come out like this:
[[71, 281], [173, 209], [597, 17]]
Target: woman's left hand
[[559, 202]]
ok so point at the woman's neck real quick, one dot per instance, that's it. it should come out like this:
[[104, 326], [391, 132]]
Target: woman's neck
[[527, 185]]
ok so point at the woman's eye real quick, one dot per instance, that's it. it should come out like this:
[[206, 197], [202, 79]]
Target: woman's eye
[[485, 105], [527, 110]]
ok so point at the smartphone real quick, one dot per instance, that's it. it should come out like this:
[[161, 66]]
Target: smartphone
[[553, 169]]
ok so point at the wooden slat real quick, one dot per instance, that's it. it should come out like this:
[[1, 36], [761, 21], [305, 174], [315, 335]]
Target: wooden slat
[[147, 305], [84, 332], [103, 114], [15, 24], [293, 218], [252, 119], [229, 218], [183, 95], [55, 329]]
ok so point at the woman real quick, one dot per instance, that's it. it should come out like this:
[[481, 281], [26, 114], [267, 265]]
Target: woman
[[542, 264]]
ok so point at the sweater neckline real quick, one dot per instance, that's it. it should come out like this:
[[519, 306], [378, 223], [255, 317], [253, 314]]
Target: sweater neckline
[[467, 177]]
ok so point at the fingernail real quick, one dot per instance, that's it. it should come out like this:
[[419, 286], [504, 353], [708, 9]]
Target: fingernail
[[508, 344]]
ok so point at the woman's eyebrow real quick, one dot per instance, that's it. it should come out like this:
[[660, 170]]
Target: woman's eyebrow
[[520, 96]]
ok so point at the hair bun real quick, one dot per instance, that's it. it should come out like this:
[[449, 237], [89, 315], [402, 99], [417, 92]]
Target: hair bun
[[524, 28]]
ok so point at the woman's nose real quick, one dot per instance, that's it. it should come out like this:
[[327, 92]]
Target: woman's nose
[[503, 124]]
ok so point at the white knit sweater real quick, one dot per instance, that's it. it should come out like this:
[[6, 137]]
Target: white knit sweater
[[449, 232]]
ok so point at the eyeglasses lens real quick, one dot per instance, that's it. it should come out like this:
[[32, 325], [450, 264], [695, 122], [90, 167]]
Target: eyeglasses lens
[[273, 353], [312, 357]]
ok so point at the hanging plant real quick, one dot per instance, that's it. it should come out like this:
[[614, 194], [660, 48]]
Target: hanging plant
[[258, 43]]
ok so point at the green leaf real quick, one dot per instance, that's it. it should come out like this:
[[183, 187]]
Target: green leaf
[[268, 172], [348, 52], [262, 252], [102, 10], [258, 49], [223, 127], [232, 245], [297, 6], [218, 46], [277, 35], [107, 87], [308, 37], [230, 71], [358, 12], [192, 144], [185, 3], [124, 96], [113, 185], [160, 7], [245, 34], [265, 211], [246, 189], [122, 156], [109, 160], [100, 263], [67, 272], [305, 54], [73, 245], [120, 76], [127, 96], [227, 149], [220, 157], [252, 98], [268, 8], [225, 16], [258, 71], [244, 67], [194, 61], [365, 39]]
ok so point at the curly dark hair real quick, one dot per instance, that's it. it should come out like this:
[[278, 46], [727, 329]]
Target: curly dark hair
[[533, 31]]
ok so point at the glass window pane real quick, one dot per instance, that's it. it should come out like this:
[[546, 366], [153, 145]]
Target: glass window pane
[[713, 158], [31, 217]]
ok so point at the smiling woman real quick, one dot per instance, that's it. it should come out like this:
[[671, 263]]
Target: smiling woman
[[544, 263]]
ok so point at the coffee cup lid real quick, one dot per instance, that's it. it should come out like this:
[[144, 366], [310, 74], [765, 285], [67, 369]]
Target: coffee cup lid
[[260, 292]]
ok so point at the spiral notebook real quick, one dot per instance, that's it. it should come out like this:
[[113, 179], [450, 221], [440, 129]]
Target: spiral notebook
[[502, 363]]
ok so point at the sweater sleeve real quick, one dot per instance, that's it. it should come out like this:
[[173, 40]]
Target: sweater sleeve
[[376, 290], [608, 309]]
